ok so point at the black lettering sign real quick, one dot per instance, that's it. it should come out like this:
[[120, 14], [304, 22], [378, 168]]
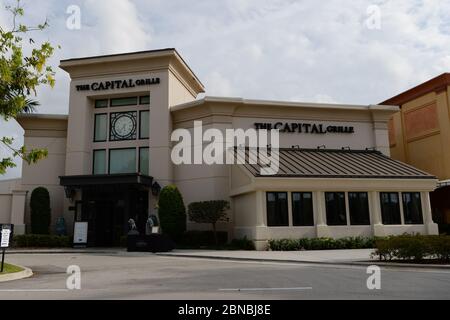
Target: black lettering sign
[[309, 128], [117, 84]]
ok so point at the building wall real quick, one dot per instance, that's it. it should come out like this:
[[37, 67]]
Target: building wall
[[420, 133], [250, 212], [47, 134]]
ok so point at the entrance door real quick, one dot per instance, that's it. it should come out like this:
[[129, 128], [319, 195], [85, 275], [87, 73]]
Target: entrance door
[[108, 210]]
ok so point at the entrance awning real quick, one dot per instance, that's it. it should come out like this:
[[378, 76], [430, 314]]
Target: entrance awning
[[102, 180]]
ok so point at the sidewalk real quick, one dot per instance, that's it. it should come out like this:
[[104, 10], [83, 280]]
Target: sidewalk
[[325, 256], [356, 257]]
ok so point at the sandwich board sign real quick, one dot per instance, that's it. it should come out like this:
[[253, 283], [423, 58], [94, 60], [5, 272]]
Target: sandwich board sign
[[80, 234], [6, 233]]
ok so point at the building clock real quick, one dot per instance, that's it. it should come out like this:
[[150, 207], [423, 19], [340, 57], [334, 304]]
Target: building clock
[[123, 126]]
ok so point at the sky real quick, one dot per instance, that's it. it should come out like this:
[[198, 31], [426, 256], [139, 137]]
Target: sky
[[336, 51]]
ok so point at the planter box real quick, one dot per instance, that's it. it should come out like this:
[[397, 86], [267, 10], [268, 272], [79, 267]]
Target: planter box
[[151, 243]]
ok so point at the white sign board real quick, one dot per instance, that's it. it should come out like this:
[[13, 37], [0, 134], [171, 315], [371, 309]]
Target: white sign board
[[80, 234], [6, 234]]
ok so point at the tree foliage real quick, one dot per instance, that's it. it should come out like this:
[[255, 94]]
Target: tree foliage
[[40, 211], [21, 74], [209, 212], [172, 212]]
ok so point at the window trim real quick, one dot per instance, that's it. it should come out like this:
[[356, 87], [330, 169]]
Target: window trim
[[117, 149], [312, 208], [95, 103], [420, 208], [400, 209], [145, 96], [350, 209], [287, 208], [140, 125], [93, 161], [124, 105], [108, 125], [346, 224], [139, 160]]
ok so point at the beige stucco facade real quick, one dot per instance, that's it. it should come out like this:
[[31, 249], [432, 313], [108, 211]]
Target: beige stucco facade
[[420, 135], [174, 105]]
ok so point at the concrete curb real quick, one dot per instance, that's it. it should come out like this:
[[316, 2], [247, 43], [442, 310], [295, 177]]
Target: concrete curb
[[26, 273], [329, 263]]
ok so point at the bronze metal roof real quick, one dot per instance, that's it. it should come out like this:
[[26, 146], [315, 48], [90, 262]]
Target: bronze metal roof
[[323, 163]]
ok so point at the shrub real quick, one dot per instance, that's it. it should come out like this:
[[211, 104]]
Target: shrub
[[321, 244], [40, 211], [172, 212], [209, 212], [198, 239], [242, 244], [41, 241], [413, 247]]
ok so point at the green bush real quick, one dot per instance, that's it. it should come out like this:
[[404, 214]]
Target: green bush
[[321, 244], [40, 211], [413, 248], [209, 212], [41, 241], [172, 212], [242, 244], [198, 239]]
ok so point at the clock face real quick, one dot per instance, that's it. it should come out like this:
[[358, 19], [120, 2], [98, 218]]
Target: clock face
[[123, 126]]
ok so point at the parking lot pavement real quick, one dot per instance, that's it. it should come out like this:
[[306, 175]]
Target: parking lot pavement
[[146, 276]]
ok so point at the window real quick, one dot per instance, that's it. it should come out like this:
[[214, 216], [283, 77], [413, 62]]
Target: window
[[412, 208], [390, 208], [99, 166], [359, 208], [123, 126], [302, 209], [101, 103], [144, 122], [336, 209], [121, 102], [277, 209], [144, 100], [144, 161], [122, 161], [100, 127]]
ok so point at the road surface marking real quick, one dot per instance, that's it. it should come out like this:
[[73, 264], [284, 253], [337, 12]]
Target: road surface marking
[[35, 290], [269, 289]]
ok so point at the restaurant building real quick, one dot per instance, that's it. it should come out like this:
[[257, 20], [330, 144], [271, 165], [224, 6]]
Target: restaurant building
[[110, 154]]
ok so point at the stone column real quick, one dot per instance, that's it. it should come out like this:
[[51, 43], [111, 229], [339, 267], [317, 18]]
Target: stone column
[[18, 211], [375, 209], [431, 227], [322, 229]]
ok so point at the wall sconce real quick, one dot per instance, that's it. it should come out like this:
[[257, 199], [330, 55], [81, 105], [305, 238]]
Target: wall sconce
[[156, 189]]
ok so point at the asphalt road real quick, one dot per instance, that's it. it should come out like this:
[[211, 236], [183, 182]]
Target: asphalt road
[[145, 276]]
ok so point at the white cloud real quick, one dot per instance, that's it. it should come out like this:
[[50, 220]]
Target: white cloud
[[268, 49], [116, 26]]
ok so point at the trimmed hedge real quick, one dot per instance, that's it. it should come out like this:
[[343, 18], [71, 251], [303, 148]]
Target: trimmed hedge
[[321, 244], [202, 239], [172, 212], [40, 211], [41, 241], [413, 248]]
